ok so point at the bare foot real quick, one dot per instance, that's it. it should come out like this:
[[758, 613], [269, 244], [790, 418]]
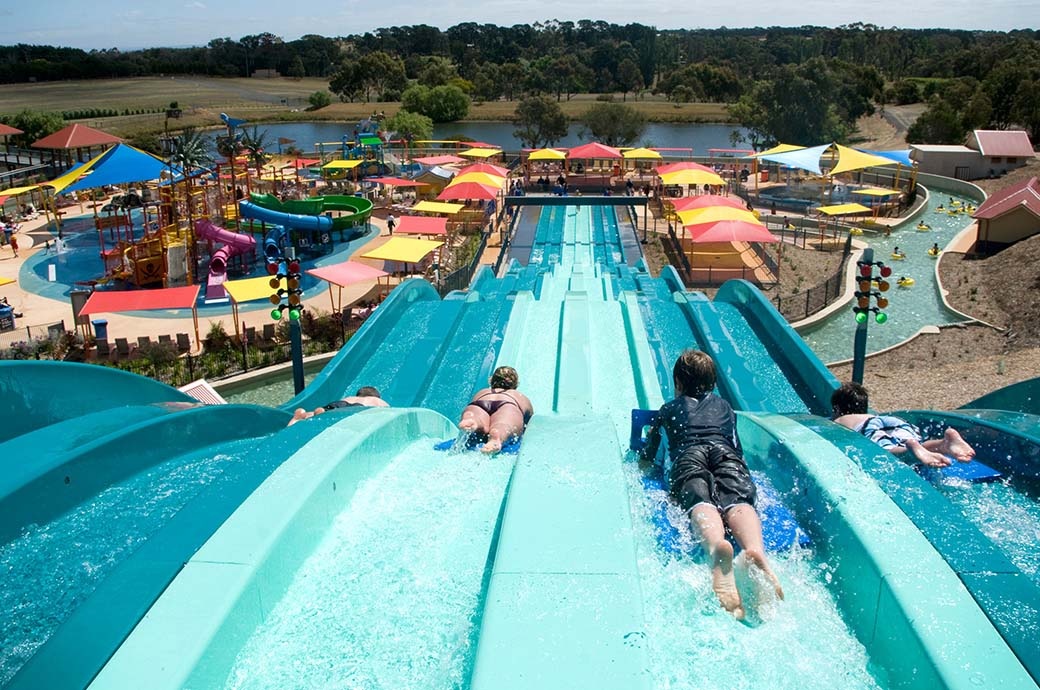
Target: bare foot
[[300, 414], [723, 582], [492, 446], [956, 447], [926, 456], [758, 560]]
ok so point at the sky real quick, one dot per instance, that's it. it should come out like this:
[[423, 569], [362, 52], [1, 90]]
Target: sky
[[130, 25]]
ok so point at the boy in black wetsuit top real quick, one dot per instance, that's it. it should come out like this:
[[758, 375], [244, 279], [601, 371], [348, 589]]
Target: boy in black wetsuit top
[[708, 476]]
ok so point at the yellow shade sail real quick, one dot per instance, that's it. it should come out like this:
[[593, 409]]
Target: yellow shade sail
[[713, 214], [779, 148], [875, 191], [6, 281], [851, 159], [438, 207], [641, 154], [480, 178], [249, 289], [342, 164], [404, 249], [843, 209], [15, 191], [480, 153], [547, 155], [681, 177]]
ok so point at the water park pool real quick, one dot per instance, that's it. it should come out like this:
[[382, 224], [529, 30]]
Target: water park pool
[[353, 552], [909, 308]]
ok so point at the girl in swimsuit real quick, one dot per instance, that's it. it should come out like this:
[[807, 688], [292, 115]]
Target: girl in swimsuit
[[500, 412]]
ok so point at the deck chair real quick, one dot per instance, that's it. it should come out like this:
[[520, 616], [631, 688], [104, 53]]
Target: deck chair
[[104, 350], [250, 335], [122, 347], [269, 332], [165, 339], [144, 341], [183, 342]]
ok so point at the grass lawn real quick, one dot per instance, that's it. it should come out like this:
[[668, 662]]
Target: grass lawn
[[202, 99]]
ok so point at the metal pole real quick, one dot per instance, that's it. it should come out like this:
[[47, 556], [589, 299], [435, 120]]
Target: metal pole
[[859, 343], [296, 344]]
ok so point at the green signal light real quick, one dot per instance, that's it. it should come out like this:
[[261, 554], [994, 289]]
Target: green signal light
[[294, 314], [861, 317], [276, 314], [880, 317]]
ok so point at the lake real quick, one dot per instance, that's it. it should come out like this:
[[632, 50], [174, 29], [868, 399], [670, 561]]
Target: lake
[[699, 137]]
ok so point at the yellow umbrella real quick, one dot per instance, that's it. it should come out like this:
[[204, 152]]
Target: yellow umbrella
[[641, 154], [437, 207], [712, 214], [479, 178], [480, 152], [681, 177], [547, 155]]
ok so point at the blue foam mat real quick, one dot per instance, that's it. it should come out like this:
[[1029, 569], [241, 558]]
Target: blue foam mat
[[474, 440]]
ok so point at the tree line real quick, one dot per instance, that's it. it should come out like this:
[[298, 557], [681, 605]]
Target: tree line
[[793, 84]]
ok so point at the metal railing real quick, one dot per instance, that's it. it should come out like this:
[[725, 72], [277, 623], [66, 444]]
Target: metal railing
[[27, 342], [804, 304]]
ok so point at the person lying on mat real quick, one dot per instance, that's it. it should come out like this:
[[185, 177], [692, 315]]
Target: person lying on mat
[[708, 476], [500, 413], [366, 396], [849, 404]]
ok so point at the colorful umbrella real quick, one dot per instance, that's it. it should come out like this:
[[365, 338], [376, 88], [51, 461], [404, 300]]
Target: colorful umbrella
[[681, 177], [715, 213], [495, 181], [641, 154], [488, 168], [730, 231], [690, 203], [547, 155], [682, 165], [468, 190], [594, 150]]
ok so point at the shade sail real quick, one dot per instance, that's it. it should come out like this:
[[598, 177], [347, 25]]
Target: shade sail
[[436, 207], [715, 213], [690, 203], [851, 159], [371, 141], [730, 231], [422, 225], [681, 177], [480, 178], [7, 130], [249, 289], [440, 160], [779, 148], [6, 281], [901, 156], [480, 152], [594, 150], [342, 164], [404, 249], [801, 158], [347, 273], [682, 165], [547, 155], [15, 191], [875, 191], [641, 154], [306, 162], [76, 136], [484, 167], [121, 164], [468, 190], [843, 209], [396, 182], [113, 301]]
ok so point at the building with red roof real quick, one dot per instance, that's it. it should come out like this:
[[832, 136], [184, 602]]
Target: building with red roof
[[988, 153], [1010, 215]]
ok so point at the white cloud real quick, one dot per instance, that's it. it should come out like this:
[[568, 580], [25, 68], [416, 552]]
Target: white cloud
[[195, 5]]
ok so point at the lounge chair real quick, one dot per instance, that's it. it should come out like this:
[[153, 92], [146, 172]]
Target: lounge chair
[[123, 348], [166, 339], [250, 334], [183, 342], [269, 333], [104, 350], [144, 341]]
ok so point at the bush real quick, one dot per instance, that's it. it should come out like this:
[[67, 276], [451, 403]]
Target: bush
[[217, 340], [319, 100]]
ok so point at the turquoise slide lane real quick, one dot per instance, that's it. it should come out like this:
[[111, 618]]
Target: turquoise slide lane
[[1003, 592], [1023, 396], [36, 394]]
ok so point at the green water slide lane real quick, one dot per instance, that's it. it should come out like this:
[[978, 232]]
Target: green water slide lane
[[195, 630], [1023, 396], [37, 394], [357, 209], [906, 603], [1006, 595]]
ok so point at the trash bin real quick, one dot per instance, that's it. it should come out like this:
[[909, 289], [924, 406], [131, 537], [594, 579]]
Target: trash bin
[[764, 175], [100, 329], [6, 319]]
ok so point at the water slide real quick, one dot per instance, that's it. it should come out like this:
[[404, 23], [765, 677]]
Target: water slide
[[307, 215], [235, 244], [357, 558]]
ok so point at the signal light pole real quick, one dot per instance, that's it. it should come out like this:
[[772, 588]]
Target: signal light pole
[[867, 282], [291, 292]]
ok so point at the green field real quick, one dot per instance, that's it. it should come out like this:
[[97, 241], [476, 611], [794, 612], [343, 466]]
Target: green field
[[202, 99]]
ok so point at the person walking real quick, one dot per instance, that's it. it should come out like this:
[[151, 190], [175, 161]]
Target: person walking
[[391, 223]]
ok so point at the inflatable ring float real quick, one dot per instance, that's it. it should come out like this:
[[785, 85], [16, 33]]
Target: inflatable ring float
[[898, 257], [934, 254], [905, 282], [924, 227]]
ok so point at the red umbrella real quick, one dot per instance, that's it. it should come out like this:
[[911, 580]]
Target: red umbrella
[[495, 170], [688, 203], [467, 190], [594, 150], [730, 231], [684, 165]]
